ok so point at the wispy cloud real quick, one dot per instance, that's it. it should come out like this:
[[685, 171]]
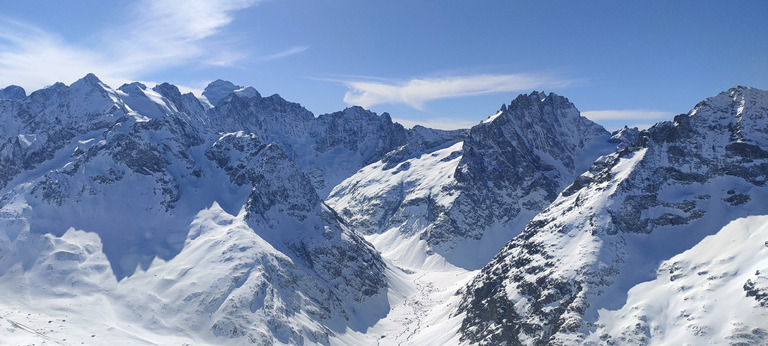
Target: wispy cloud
[[437, 123], [225, 58], [416, 92], [156, 35], [35, 58], [283, 54], [628, 114], [172, 31]]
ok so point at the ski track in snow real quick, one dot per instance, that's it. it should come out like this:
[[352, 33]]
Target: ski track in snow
[[23, 329]]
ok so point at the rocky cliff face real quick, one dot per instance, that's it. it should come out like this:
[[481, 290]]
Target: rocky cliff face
[[519, 160], [606, 232], [13, 92], [143, 168], [203, 220], [508, 168], [328, 148], [36, 127]]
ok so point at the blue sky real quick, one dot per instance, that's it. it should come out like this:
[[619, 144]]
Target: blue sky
[[444, 64]]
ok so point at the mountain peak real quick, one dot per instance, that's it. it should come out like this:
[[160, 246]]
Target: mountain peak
[[739, 96], [14, 92], [168, 91], [742, 110], [741, 88], [537, 99], [755, 96], [541, 95], [129, 88], [220, 84], [220, 89], [535, 131], [88, 83], [89, 79], [539, 109]]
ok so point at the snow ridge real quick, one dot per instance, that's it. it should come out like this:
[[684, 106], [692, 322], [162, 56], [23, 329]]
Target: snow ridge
[[681, 181], [479, 193], [234, 218], [142, 168]]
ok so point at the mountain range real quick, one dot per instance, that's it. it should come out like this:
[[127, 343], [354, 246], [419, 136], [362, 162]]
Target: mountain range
[[141, 215]]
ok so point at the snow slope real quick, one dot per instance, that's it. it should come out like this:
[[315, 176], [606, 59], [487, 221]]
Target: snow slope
[[133, 201], [227, 285], [145, 216], [460, 204], [716, 292], [681, 181], [439, 216]]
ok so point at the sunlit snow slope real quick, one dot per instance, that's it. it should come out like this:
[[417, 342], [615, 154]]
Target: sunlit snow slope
[[143, 216], [682, 181], [461, 203], [439, 216], [716, 292]]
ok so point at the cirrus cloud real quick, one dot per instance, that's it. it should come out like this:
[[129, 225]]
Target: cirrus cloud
[[418, 91], [286, 53], [155, 35]]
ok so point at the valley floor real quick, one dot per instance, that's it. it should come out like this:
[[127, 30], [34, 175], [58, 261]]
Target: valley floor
[[422, 298], [421, 304]]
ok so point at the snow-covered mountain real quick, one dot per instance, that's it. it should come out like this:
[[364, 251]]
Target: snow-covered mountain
[[141, 215], [563, 278], [244, 245], [462, 202], [716, 292]]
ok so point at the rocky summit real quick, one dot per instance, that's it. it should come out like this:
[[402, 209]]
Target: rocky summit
[[682, 181], [141, 215]]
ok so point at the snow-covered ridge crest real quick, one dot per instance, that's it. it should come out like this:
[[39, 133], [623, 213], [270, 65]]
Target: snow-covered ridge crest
[[681, 181], [220, 89], [508, 168], [191, 222], [89, 105], [137, 166], [52, 117]]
